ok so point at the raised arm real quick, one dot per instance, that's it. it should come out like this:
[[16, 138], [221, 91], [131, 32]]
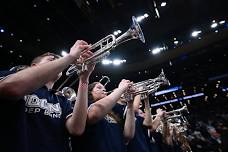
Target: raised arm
[[77, 122], [129, 125], [101, 107], [147, 120], [157, 121], [26, 81]]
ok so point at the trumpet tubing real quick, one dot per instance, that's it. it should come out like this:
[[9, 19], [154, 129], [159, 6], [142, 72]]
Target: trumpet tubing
[[151, 85], [103, 47]]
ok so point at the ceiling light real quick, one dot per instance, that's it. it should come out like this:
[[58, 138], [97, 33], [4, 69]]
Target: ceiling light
[[216, 31], [163, 4], [2, 30], [146, 15], [222, 22], [176, 42], [64, 53], [117, 32], [11, 51], [21, 41], [196, 33], [116, 62], [156, 51], [214, 25], [106, 61], [11, 34]]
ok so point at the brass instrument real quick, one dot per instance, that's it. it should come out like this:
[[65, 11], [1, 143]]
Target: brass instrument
[[182, 109], [19, 68], [175, 112], [69, 93], [102, 48], [149, 86], [107, 81]]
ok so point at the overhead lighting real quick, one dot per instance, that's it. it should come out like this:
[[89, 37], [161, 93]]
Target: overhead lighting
[[214, 25], [64, 53], [114, 62], [117, 32], [222, 22], [2, 30], [176, 42], [118, 61], [142, 17], [146, 15], [163, 4], [157, 50], [106, 61], [196, 33]]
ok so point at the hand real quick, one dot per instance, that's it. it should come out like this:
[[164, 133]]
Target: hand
[[90, 67], [160, 113], [125, 84], [79, 48]]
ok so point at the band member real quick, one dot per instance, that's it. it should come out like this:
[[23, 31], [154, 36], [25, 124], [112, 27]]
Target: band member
[[141, 141], [171, 144], [105, 130], [145, 139], [34, 119]]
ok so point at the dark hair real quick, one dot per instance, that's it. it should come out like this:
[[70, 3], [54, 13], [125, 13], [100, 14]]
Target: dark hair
[[90, 89], [38, 58]]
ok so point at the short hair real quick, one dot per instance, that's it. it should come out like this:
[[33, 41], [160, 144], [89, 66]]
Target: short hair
[[38, 58]]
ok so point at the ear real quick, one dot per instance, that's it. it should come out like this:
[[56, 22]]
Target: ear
[[33, 64]]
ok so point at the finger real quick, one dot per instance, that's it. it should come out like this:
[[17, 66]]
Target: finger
[[82, 42], [86, 55], [89, 54]]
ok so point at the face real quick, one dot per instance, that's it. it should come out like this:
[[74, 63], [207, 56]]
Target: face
[[47, 59], [99, 92]]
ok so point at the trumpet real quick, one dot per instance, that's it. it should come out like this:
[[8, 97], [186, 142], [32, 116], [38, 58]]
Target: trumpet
[[182, 109], [151, 85], [19, 68], [69, 93], [102, 48], [175, 112], [107, 81]]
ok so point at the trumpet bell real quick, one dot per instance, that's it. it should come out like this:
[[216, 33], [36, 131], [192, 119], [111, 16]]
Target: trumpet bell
[[137, 27], [69, 93]]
